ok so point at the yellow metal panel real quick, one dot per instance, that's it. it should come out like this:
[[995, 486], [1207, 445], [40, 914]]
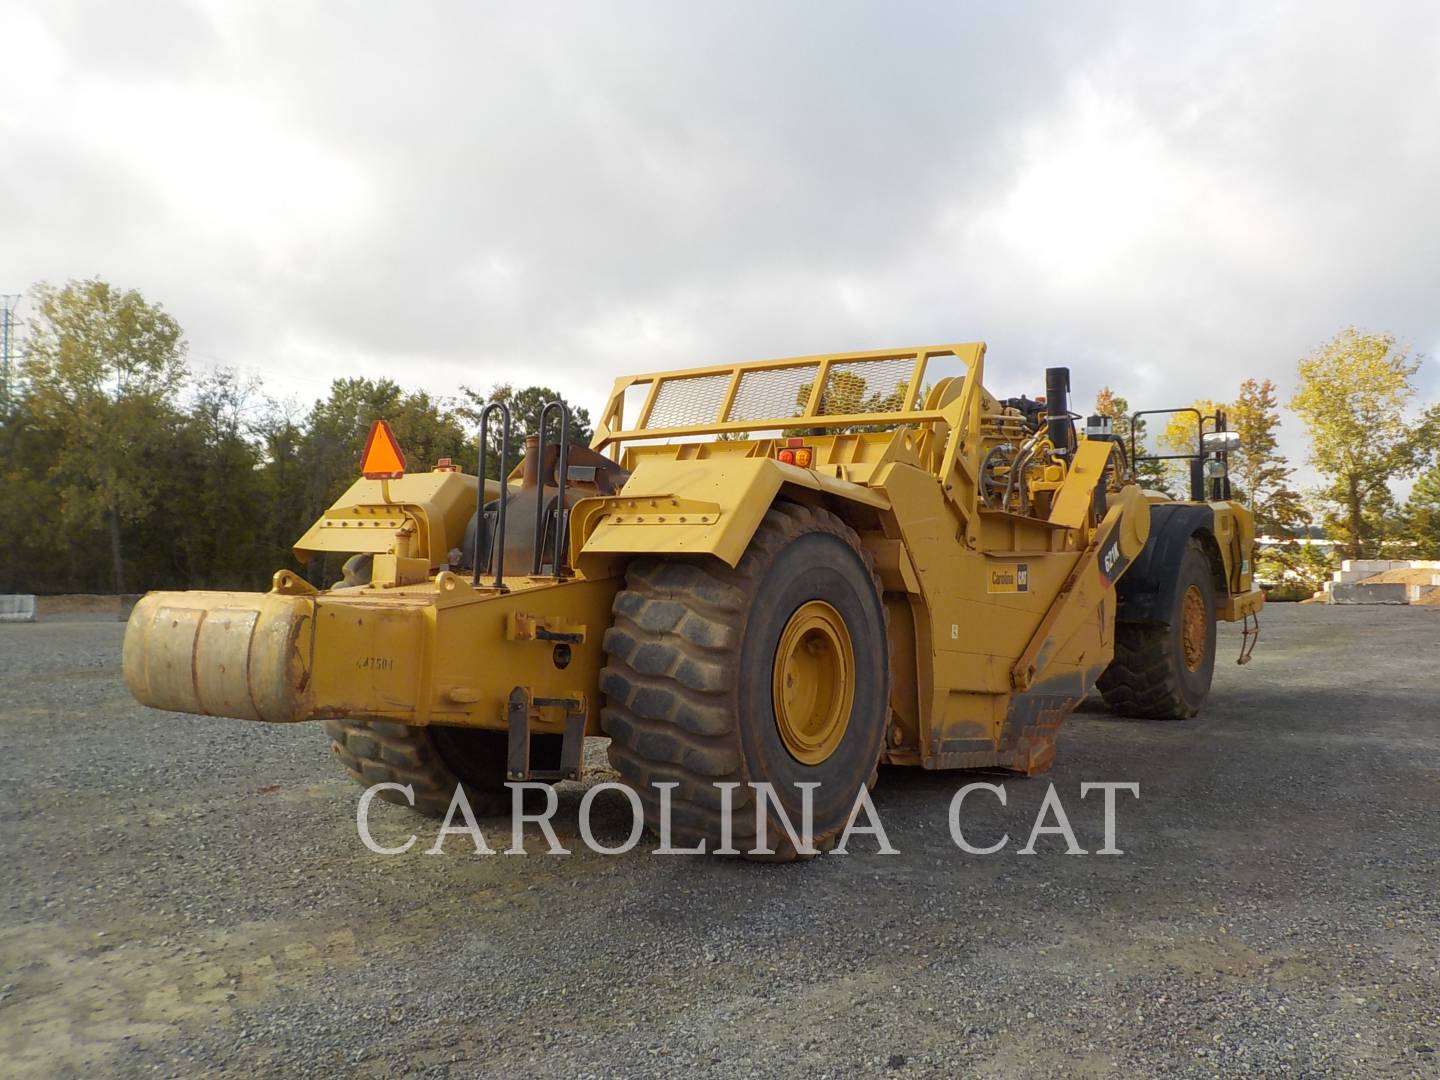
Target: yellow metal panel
[[370, 656], [389, 570], [434, 506], [1073, 603], [450, 654], [969, 620], [741, 488], [1235, 535], [845, 489], [968, 715], [695, 507], [1071, 508], [1235, 608]]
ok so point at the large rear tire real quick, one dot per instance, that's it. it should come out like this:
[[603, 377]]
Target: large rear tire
[[433, 760], [1162, 671], [776, 671]]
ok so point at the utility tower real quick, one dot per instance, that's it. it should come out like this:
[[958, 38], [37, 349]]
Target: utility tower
[[8, 303]]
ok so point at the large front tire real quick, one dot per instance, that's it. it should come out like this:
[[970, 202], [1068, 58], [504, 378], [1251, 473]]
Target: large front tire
[[775, 671], [1162, 671]]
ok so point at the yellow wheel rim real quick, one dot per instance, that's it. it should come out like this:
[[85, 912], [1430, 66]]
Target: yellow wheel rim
[[1193, 631], [813, 685]]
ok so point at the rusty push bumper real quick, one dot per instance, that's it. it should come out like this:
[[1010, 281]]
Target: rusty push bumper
[[246, 655]]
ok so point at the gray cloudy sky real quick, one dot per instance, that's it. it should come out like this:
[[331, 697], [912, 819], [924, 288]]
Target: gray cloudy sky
[[1167, 197]]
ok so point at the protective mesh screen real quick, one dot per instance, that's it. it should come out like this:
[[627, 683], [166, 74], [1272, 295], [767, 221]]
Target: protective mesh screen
[[783, 393], [866, 386], [774, 393], [684, 402]]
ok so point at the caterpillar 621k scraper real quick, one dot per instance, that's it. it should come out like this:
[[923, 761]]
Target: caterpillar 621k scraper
[[788, 571]]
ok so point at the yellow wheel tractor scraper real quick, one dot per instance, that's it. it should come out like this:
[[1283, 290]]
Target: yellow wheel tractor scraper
[[788, 571]]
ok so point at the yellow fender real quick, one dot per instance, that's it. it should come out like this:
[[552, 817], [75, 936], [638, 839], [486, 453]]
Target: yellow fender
[[429, 509], [693, 507]]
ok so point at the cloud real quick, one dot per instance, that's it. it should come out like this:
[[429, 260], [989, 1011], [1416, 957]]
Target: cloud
[[1168, 200]]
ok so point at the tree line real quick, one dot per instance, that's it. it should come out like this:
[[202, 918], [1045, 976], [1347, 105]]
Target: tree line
[[123, 469], [1358, 401]]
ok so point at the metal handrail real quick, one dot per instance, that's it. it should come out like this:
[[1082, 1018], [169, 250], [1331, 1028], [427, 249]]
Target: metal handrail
[[1220, 485], [615, 428], [480, 493], [560, 469]]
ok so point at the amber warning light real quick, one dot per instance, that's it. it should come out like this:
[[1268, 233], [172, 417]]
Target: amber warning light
[[383, 458], [796, 452]]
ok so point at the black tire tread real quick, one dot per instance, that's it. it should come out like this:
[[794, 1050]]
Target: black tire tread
[[668, 678], [1142, 680], [384, 751]]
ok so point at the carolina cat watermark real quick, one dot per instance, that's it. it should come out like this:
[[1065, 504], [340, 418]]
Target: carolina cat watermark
[[1050, 820]]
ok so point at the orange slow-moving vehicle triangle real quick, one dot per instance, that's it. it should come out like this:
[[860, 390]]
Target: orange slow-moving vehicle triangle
[[383, 458]]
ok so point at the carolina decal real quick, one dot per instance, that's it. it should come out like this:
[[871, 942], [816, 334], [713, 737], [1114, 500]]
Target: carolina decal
[[1010, 578]]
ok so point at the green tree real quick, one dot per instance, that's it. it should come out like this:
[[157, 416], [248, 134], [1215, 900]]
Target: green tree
[[1261, 476], [1420, 519], [1312, 565], [1354, 392], [280, 433], [1258, 468], [217, 523], [35, 555], [102, 366]]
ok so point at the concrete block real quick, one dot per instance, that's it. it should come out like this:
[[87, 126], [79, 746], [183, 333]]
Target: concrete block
[[17, 607], [1372, 566], [1370, 594], [1349, 577], [1353, 570], [1417, 591]]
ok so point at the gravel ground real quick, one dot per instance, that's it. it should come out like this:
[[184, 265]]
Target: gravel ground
[[183, 896]]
